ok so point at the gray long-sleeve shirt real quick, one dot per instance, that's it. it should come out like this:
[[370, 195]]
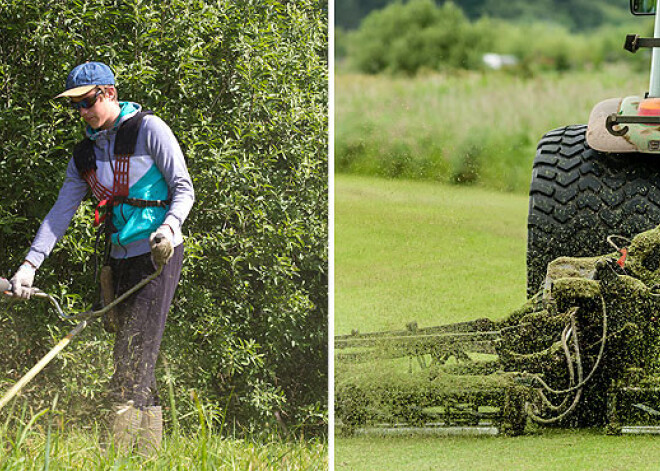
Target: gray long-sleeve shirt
[[156, 145]]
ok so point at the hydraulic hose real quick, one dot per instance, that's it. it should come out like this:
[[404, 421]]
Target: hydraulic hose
[[601, 351], [530, 409]]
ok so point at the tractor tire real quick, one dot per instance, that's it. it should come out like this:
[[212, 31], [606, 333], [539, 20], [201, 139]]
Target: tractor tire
[[578, 196]]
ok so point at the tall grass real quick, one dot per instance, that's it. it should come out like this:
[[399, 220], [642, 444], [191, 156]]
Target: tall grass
[[45, 441], [465, 128]]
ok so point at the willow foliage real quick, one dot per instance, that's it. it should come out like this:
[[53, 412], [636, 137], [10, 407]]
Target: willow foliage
[[244, 87]]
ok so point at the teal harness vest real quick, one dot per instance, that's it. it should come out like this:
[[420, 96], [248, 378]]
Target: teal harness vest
[[121, 228]]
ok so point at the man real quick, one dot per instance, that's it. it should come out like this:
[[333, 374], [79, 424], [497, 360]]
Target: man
[[132, 163]]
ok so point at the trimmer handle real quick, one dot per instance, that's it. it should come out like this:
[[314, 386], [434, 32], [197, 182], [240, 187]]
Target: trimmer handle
[[5, 285], [6, 289]]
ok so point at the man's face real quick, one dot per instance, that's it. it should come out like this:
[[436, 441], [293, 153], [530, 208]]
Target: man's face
[[101, 110]]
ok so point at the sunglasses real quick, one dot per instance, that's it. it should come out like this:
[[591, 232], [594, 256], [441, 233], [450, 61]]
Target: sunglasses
[[87, 102]]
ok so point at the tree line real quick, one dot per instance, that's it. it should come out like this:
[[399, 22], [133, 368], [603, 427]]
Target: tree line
[[576, 15], [422, 35]]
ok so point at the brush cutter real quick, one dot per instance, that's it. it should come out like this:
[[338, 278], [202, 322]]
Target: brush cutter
[[83, 320]]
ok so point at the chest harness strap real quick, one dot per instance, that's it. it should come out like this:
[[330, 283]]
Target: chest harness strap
[[85, 161]]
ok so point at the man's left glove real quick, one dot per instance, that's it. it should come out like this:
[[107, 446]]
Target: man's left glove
[[161, 244], [22, 280]]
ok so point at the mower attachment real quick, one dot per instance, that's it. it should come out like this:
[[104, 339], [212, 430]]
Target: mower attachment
[[582, 352]]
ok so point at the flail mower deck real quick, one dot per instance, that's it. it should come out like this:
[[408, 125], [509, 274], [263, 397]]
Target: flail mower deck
[[582, 352]]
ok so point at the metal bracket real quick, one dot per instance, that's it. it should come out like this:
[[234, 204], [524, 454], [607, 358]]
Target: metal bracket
[[634, 42], [615, 120]]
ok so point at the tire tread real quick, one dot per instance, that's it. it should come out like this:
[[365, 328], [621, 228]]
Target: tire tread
[[579, 196]]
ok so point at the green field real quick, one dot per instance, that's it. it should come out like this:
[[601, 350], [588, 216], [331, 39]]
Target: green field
[[434, 253], [425, 252], [551, 451]]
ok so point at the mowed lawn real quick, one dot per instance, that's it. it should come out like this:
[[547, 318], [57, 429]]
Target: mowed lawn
[[553, 450], [409, 251], [431, 253]]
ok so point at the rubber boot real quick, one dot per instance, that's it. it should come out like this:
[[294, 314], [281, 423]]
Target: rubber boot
[[126, 424], [151, 431]]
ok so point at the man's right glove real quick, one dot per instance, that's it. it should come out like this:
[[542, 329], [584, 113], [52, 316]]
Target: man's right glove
[[161, 245], [22, 281]]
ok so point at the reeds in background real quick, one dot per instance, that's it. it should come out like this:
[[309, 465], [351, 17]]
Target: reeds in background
[[469, 127]]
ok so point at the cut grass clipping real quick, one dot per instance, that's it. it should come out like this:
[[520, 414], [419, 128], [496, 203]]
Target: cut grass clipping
[[468, 128]]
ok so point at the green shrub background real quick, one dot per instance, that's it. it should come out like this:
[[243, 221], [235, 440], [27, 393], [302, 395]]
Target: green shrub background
[[244, 87]]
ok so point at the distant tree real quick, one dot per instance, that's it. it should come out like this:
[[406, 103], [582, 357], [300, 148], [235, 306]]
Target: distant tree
[[349, 13], [407, 37]]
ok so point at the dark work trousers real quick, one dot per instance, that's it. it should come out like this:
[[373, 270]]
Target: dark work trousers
[[140, 325]]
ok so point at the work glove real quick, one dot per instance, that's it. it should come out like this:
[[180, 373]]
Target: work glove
[[22, 281], [161, 245]]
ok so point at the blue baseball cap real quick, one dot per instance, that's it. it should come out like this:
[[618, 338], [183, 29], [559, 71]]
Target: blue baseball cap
[[85, 77]]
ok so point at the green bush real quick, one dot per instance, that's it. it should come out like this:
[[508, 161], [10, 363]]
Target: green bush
[[408, 37], [244, 87], [418, 36]]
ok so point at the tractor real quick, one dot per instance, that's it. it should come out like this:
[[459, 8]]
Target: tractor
[[590, 181], [584, 350]]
